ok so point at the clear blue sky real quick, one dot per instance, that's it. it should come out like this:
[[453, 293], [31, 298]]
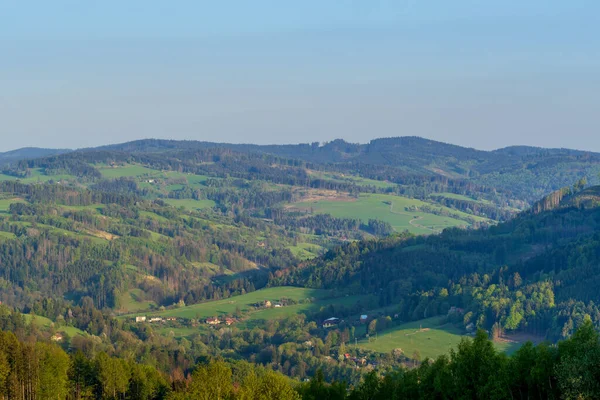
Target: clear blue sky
[[484, 73]]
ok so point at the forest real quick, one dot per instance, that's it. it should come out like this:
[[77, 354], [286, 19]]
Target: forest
[[124, 272], [474, 370]]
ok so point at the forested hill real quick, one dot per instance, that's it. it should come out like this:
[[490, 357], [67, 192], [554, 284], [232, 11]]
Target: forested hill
[[28, 152], [537, 273], [508, 176], [527, 173]]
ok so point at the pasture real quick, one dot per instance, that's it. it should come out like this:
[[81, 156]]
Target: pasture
[[244, 302], [352, 179], [389, 208], [36, 175], [306, 251], [5, 204], [126, 171], [191, 204], [307, 300], [45, 323], [133, 301], [430, 337]]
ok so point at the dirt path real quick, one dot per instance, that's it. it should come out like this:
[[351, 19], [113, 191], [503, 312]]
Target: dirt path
[[413, 219]]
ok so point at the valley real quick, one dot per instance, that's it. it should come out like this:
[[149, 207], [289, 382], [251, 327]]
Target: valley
[[291, 264]]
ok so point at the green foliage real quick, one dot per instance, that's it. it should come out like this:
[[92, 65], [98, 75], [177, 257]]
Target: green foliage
[[476, 371]]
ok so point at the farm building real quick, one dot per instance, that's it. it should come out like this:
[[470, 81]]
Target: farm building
[[57, 337], [140, 319], [213, 321], [331, 322], [456, 310], [229, 321]]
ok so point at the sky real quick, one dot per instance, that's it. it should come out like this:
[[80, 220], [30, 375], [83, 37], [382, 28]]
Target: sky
[[478, 73]]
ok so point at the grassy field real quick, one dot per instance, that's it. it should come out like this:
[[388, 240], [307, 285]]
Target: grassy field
[[45, 323], [244, 302], [36, 175], [5, 204], [258, 318], [7, 235], [312, 300], [426, 336], [460, 197], [191, 204], [306, 251], [387, 208], [126, 171], [357, 180], [132, 301]]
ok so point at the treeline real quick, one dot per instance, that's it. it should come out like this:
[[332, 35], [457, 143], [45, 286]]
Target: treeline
[[475, 370], [30, 370], [325, 224], [475, 207]]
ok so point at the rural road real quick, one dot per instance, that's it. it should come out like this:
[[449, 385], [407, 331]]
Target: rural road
[[413, 219]]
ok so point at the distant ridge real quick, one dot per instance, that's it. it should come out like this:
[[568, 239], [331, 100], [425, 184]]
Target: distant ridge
[[522, 173], [28, 153]]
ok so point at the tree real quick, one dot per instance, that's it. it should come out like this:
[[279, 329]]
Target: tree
[[318, 389], [372, 327], [276, 387], [478, 369], [211, 382], [53, 376], [578, 370], [113, 376]]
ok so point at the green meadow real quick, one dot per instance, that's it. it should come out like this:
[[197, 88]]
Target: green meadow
[[307, 300], [387, 208], [45, 323], [244, 302], [357, 180], [191, 204], [431, 337]]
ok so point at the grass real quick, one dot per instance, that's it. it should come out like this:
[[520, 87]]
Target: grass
[[258, 318], [245, 303], [387, 208], [191, 204], [433, 340], [180, 332], [7, 235], [306, 251], [132, 301], [318, 299], [5, 204], [126, 171], [357, 180], [459, 197], [36, 175], [46, 323]]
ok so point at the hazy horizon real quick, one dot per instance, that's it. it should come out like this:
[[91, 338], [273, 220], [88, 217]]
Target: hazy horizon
[[477, 74], [296, 143]]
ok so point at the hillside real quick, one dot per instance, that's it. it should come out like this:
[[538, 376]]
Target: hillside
[[526, 173], [198, 239], [537, 273], [27, 153], [516, 175]]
